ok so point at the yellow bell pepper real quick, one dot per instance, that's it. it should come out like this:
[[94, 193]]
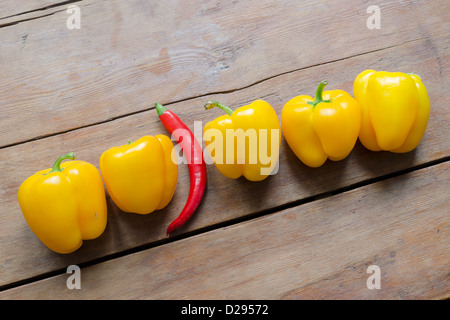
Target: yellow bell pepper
[[323, 128], [140, 177], [65, 205], [244, 142], [395, 110]]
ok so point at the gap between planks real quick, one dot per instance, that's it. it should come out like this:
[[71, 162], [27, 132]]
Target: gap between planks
[[208, 93], [55, 5], [323, 283], [229, 223], [136, 63]]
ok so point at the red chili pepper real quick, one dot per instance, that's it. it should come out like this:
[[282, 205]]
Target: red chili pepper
[[194, 156]]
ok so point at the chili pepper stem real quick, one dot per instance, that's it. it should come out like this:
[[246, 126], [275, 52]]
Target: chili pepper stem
[[319, 92], [160, 109], [212, 103], [57, 165]]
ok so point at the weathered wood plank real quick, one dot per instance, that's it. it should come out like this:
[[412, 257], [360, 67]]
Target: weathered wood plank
[[129, 53], [315, 251], [13, 8], [23, 256]]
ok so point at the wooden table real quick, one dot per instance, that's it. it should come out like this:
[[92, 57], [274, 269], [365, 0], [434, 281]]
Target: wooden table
[[301, 234]]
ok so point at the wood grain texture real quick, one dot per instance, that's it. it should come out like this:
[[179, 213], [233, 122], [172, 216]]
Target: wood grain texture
[[128, 54], [314, 251], [22, 255], [90, 89]]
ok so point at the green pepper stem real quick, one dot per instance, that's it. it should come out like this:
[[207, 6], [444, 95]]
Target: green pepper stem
[[211, 104], [57, 165], [319, 92], [160, 108]]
